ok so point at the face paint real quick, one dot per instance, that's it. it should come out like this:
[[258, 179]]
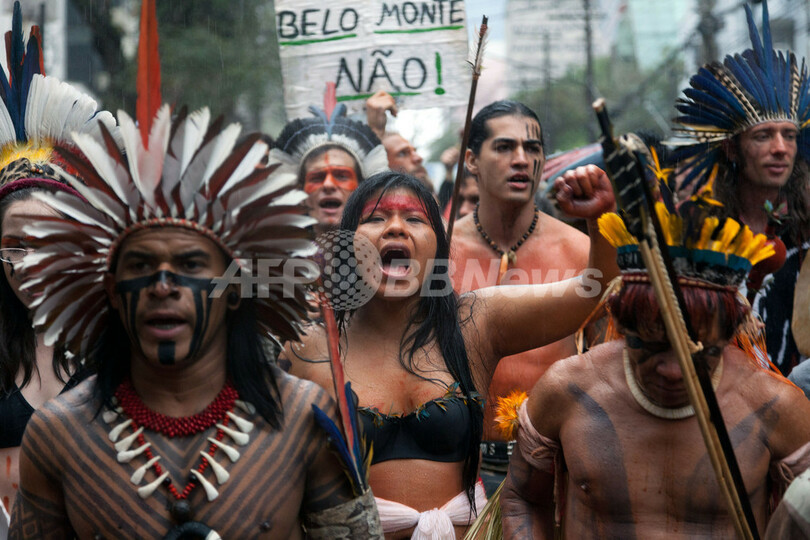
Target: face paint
[[340, 176], [10, 268], [129, 292], [166, 352], [395, 203]]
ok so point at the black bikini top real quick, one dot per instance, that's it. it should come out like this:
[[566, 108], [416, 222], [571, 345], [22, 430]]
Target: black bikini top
[[438, 430], [15, 412]]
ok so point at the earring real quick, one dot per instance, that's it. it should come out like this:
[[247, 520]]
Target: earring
[[233, 299]]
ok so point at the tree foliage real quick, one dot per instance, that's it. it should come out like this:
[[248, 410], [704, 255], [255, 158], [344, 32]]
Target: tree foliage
[[216, 53], [636, 101]]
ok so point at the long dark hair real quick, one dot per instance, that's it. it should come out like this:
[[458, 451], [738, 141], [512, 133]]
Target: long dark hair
[[248, 364], [435, 318], [17, 337], [796, 192]]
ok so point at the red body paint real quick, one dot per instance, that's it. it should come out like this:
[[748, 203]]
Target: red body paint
[[394, 203]]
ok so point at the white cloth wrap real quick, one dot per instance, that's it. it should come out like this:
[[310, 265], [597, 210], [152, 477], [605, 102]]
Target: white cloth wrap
[[436, 524]]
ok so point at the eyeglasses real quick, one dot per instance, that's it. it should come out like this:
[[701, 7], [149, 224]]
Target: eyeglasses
[[13, 255]]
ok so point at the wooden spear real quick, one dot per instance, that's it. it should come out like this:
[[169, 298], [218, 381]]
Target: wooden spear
[[478, 58]]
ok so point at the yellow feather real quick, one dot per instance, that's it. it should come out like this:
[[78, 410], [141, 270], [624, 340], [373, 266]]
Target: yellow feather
[[727, 235], [762, 254], [709, 225], [36, 153]]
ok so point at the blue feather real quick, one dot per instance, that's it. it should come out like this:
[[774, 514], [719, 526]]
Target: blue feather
[[339, 444], [22, 68], [707, 82], [353, 419], [703, 99]]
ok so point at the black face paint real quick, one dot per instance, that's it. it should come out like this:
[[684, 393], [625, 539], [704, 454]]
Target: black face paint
[[10, 268], [166, 352], [201, 289]]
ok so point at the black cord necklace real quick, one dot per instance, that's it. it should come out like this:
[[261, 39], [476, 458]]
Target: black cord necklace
[[511, 254]]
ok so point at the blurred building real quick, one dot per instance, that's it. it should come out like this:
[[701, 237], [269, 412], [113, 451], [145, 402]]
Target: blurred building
[[547, 37]]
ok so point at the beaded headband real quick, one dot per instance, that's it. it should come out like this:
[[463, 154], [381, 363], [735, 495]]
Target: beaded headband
[[723, 100]]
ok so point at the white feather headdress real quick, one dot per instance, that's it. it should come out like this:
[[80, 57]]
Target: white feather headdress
[[190, 174], [303, 136]]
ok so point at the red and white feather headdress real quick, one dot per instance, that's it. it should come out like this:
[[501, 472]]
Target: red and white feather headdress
[[186, 172]]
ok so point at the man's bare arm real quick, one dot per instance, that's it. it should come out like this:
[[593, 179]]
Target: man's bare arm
[[527, 501]]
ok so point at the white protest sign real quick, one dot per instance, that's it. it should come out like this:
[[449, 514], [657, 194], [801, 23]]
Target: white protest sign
[[416, 51]]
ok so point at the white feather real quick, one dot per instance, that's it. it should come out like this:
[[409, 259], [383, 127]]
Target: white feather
[[223, 146], [116, 176], [245, 167]]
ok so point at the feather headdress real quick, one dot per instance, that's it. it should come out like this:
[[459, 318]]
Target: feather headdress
[[302, 136], [36, 113], [759, 85], [188, 173], [191, 175], [712, 251]]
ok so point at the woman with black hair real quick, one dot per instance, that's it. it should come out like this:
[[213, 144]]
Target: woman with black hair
[[419, 357], [31, 372]]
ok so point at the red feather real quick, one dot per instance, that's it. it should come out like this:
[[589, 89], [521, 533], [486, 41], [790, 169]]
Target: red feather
[[338, 378], [149, 98], [36, 34], [330, 99]]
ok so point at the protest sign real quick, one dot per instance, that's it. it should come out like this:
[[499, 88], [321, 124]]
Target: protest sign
[[416, 51]]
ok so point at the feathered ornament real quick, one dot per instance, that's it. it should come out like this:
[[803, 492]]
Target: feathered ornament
[[706, 249], [354, 454], [148, 83], [476, 63], [303, 136], [723, 100], [37, 112], [506, 413], [188, 173]]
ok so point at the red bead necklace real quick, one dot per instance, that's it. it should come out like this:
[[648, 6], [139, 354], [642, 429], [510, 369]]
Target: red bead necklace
[[171, 427]]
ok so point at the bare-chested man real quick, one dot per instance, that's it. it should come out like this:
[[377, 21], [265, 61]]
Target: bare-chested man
[[187, 428], [506, 155], [610, 437]]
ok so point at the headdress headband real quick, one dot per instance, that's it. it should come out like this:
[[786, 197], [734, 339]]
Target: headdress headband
[[186, 173], [759, 85], [302, 136]]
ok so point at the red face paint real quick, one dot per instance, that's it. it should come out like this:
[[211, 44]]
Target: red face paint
[[8, 466], [395, 203], [340, 176]]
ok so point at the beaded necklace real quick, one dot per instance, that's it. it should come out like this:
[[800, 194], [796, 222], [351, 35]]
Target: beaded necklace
[[511, 254], [138, 417]]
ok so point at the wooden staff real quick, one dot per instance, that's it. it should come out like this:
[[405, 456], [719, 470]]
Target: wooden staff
[[476, 73], [634, 199]]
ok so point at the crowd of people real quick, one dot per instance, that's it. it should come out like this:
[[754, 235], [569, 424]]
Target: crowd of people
[[144, 394]]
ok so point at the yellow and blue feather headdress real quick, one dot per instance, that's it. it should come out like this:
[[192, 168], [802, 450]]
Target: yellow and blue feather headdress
[[760, 85]]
